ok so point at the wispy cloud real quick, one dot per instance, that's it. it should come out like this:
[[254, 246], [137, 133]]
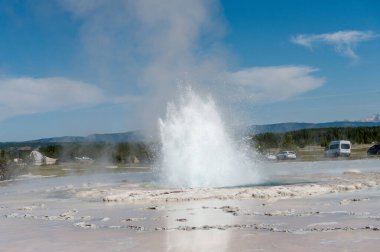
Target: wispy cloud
[[272, 84], [22, 96], [344, 42]]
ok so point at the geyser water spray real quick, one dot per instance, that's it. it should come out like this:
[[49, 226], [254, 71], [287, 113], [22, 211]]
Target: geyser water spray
[[197, 151]]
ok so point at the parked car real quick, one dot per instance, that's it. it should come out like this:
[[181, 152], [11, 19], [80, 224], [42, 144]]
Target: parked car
[[338, 148], [270, 156], [374, 150], [286, 155]]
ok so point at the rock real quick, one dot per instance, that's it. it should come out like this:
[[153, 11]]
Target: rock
[[135, 228], [229, 209], [85, 225], [152, 208], [87, 217], [134, 219]]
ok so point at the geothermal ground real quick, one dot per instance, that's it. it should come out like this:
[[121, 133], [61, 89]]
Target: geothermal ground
[[314, 206]]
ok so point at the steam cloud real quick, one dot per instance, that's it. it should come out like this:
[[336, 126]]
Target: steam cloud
[[149, 46]]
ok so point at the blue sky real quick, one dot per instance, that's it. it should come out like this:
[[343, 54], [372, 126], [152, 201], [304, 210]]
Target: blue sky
[[82, 67]]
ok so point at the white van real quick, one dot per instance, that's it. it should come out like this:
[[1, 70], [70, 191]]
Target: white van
[[338, 148]]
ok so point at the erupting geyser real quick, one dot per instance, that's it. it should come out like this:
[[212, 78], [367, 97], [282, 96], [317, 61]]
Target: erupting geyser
[[196, 148]]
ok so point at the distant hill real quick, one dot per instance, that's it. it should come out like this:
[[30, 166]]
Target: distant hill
[[131, 136], [141, 136], [292, 126]]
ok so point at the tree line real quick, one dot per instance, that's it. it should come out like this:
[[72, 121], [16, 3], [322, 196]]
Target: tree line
[[127, 152], [117, 153], [322, 137]]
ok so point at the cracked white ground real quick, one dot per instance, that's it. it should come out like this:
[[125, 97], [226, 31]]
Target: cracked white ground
[[314, 206]]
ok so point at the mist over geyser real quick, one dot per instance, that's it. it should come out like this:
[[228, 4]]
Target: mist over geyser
[[197, 150]]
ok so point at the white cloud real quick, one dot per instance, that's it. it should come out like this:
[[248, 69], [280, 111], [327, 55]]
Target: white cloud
[[344, 42], [22, 96], [272, 84]]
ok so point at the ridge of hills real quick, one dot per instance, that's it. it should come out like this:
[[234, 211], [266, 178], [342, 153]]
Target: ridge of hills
[[141, 136]]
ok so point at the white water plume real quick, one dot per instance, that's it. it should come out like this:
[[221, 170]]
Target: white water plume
[[196, 148]]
